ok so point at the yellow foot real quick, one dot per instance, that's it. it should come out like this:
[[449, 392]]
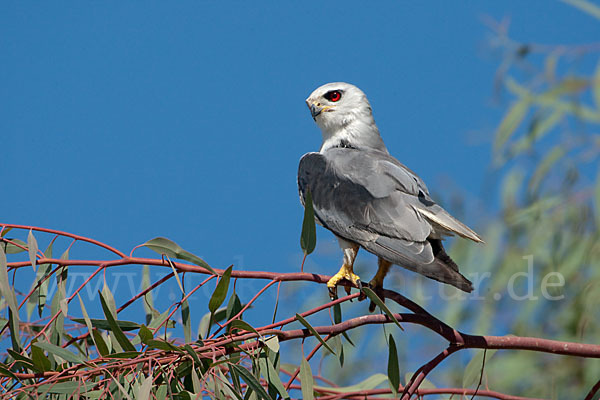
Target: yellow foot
[[344, 273]]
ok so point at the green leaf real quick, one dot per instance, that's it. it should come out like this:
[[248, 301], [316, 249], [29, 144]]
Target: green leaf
[[43, 271], [114, 327], [234, 306], [337, 318], [473, 370], [220, 293], [306, 380], [158, 321], [59, 351], [148, 299], [5, 287], [251, 381], [39, 359], [272, 343], [393, 368], [375, 299], [314, 332], [161, 392], [145, 334], [6, 372], [57, 329], [86, 319], [145, 389], [185, 321], [595, 87], [70, 387], [124, 355], [368, 384], [171, 249], [545, 165], [13, 325], [162, 345], [511, 122], [207, 321], [32, 247], [176, 275], [24, 361], [538, 130], [100, 343], [239, 324], [190, 350], [105, 325], [13, 314], [586, 6], [308, 238], [12, 248], [272, 377], [196, 382]]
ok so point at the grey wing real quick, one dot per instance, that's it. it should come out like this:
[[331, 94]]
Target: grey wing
[[387, 176], [358, 201]]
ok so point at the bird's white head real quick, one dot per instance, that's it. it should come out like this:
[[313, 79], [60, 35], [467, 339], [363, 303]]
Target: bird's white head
[[344, 115]]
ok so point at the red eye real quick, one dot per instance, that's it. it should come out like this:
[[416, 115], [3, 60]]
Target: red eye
[[333, 96]]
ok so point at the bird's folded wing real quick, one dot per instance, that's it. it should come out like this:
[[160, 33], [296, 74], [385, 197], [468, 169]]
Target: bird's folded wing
[[344, 202]]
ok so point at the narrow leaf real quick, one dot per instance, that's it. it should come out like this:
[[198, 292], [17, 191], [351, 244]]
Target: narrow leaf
[[368, 384], [308, 238], [6, 372], [337, 318], [595, 87], [148, 299], [145, 389], [585, 6], [12, 248], [162, 345], [32, 247], [100, 343], [220, 293], [272, 343], [9, 295], [43, 271], [251, 381], [393, 367], [145, 334], [171, 249], [545, 166], [39, 359], [307, 380], [239, 324], [473, 369], [270, 374], [375, 299], [185, 321], [116, 330], [176, 276], [314, 332], [104, 324], [59, 351], [511, 122]]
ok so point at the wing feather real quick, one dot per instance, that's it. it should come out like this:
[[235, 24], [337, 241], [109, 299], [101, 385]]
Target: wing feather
[[369, 198]]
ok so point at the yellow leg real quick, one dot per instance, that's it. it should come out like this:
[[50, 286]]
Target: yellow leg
[[384, 267], [346, 271], [377, 281]]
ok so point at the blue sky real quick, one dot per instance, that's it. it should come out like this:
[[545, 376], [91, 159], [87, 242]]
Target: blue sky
[[124, 121]]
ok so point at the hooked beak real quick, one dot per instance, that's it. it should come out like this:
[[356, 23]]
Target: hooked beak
[[315, 109]]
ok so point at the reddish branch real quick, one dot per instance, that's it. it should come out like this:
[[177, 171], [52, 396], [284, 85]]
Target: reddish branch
[[218, 346]]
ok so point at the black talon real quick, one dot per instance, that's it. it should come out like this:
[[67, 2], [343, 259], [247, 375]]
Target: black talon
[[333, 293]]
